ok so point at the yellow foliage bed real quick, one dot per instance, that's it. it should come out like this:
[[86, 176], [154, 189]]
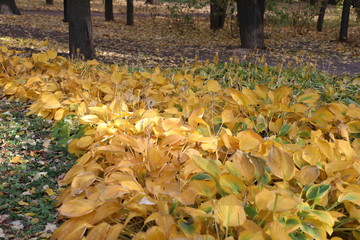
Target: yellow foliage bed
[[174, 155]]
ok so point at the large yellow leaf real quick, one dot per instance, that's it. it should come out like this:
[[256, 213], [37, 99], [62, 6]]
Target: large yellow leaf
[[116, 77], [114, 232], [84, 142], [308, 174], [112, 192], [155, 233], [72, 229], [249, 140], [125, 180], [98, 232], [208, 165], [311, 155], [82, 181], [309, 96], [77, 207], [213, 86], [74, 171], [105, 210], [353, 126], [281, 163], [229, 211], [50, 101]]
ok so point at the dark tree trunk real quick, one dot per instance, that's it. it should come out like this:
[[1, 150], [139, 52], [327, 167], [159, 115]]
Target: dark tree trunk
[[80, 29], [251, 23], [9, 7], [109, 13], [345, 21], [129, 12], [66, 10], [217, 14], [152, 2], [51, 2], [320, 20], [313, 2]]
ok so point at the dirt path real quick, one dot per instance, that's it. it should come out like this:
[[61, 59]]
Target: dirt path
[[139, 53]]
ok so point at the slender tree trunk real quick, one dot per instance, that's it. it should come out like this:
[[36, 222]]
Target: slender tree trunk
[[80, 30], [217, 13], [320, 20], [251, 23], [66, 10], [129, 12], [50, 2], [109, 13], [345, 21], [9, 7]]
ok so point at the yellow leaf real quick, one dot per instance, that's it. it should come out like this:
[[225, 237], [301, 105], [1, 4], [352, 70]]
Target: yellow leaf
[[278, 232], [353, 126], [50, 101], [308, 174], [311, 155], [213, 86], [98, 232], [72, 229], [281, 163], [231, 184], [105, 210], [35, 220], [50, 192], [74, 171], [229, 211], [59, 114], [107, 88], [114, 232], [310, 96], [325, 147], [89, 119], [17, 159], [22, 203], [155, 233], [116, 77], [82, 181], [249, 140], [208, 165], [77, 207], [52, 54], [227, 116], [93, 62], [84, 142], [125, 180], [112, 192]]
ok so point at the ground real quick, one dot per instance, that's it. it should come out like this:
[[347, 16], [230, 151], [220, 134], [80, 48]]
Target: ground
[[171, 35]]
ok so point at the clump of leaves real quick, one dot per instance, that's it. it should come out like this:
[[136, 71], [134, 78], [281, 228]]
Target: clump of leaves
[[182, 155]]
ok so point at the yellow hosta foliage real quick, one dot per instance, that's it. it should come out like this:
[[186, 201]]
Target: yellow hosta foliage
[[175, 155]]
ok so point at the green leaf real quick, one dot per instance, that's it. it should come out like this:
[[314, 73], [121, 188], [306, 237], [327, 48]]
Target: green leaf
[[317, 191], [284, 129], [250, 211], [200, 176], [187, 226]]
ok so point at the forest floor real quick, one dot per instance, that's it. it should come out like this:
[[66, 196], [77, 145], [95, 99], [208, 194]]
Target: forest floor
[[171, 35]]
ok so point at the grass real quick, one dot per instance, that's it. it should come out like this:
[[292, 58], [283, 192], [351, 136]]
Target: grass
[[30, 164]]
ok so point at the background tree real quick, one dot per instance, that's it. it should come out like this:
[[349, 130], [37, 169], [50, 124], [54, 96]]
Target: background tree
[[251, 23], [51, 2], [65, 3], [109, 12], [345, 21], [129, 12], [9, 7], [217, 13], [80, 29], [321, 17]]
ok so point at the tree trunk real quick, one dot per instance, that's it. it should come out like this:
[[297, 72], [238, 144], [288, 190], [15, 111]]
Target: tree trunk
[[251, 23], [345, 21], [129, 12], [80, 30], [217, 14], [66, 10], [313, 2], [109, 13], [320, 20], [51, 2], [9, 7], [152, 2]]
